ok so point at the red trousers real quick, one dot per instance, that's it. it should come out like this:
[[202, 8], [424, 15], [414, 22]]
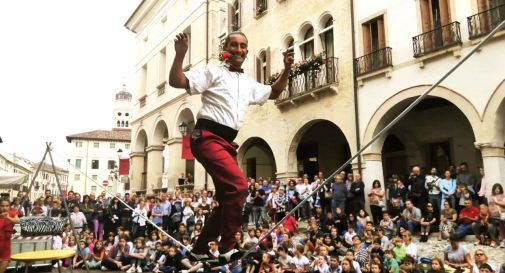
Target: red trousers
[[218, 157]]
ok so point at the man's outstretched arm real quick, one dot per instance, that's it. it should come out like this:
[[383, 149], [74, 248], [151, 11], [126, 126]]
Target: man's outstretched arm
[[177, 79], [282, 81]]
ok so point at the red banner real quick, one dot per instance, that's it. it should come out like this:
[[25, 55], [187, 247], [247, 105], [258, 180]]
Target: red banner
[[186, 149], [124, 166]]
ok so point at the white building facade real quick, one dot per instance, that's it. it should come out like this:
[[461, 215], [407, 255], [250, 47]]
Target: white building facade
[[45, 180], [282, 138], [327, 113], [407, 47], [95, 155]]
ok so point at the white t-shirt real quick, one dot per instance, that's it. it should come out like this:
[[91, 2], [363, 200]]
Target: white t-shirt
[[302, 188], [78, 219], [284, 262], [225, 95], [300, 263], [411, 250]]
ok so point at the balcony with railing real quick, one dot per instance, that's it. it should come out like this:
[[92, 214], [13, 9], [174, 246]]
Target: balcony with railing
[[481, 24], [437, 39], [311, 82], [373, 62]]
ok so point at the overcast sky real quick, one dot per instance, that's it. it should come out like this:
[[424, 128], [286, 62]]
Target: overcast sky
[[61, 62]]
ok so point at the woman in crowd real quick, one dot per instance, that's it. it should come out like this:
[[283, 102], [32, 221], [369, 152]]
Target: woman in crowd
[[139, 219], [303, 189], [37, 208], [448, 189], [293, 197], [114, 216], [280, 201], [437, 266], [7, 221], [118, 257], [377, 202], [448, 220], [428, 219], [480, 258], [99, 215], [17, 207], [497, 208], [95, 257], [199, 217], [138, 255], [87, 208], [187, 213], [346, 266]]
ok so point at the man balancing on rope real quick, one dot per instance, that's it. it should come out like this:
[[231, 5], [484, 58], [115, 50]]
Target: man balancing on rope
[[226, 94]]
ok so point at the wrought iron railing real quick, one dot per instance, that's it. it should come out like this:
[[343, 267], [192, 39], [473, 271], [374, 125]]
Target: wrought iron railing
[[373, 61], [437, 39], [482, 23], [311, 80]]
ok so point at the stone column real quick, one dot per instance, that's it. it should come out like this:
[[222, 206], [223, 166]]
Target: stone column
[[493, 157], [285, 176], [136, 170], [177, 164], [154, 166], [372, 170]]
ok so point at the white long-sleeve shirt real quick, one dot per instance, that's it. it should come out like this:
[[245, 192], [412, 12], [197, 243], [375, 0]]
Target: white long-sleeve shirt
[[226, 95], [448, 187]]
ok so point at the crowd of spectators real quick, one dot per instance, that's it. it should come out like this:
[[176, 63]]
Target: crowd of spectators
[[331, 232]]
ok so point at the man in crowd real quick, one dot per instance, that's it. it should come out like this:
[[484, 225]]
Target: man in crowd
[[466, 177], [432, 184], [467, 216], [411, 217], [358, 193], [417, 192]]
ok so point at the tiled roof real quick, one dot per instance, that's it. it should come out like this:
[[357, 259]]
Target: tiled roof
[[49, 168], [112, 135]]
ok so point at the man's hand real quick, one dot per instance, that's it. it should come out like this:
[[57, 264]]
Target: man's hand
[[289, 58], [181, 44]]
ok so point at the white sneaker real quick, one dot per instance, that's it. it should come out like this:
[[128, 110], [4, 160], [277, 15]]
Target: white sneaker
[[104, 268], [502, 244], [56, 264], [230, 256], [139, 269], [131, 270]]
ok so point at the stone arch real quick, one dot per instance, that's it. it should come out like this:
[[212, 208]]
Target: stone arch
[[160, 133], [286, 40], [300, 133], [303, 29], [396, 103], [494, 117], [140, 141], [263, 163], [323, 19], [186, 113]]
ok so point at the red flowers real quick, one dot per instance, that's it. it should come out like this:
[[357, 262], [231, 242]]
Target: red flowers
[[224, 56]]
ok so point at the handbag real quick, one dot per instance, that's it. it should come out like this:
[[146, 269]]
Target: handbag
[[328, 195], [42, 225], [294, 200], [190, 221]]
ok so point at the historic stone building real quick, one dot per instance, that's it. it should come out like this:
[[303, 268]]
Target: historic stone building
[[376, 58], [310, 128]]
